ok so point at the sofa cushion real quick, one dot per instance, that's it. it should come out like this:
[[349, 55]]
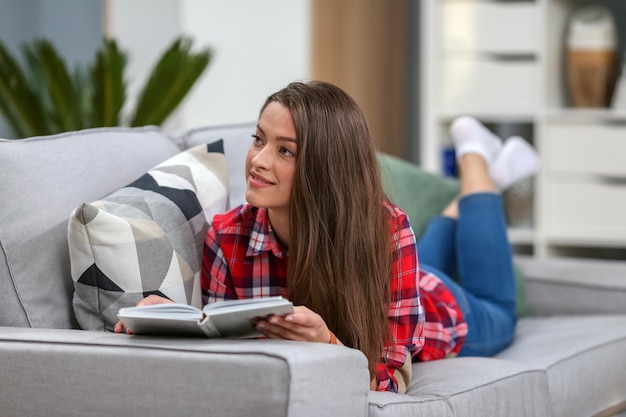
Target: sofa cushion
[[237, 140], [582, 357], [43, 180], [419, 193], [468, 386], [146, 238], [78, 373]]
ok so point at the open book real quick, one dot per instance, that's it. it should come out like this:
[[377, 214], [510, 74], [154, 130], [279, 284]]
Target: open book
[[230, 318]]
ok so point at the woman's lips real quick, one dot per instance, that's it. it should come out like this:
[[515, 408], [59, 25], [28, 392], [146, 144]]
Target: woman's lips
[[259, 181]]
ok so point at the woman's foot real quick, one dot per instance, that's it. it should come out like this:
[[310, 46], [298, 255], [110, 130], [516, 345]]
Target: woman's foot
[[508, 162], [516, 161], [470, 136]]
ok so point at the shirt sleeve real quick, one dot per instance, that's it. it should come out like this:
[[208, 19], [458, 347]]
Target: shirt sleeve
[[215, 277], [406, 315]]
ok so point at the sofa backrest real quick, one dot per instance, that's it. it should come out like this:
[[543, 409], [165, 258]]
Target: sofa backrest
[[237, 140], [43, 179]]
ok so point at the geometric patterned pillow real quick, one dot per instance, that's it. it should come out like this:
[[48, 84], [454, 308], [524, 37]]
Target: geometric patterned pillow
[[146, 238]]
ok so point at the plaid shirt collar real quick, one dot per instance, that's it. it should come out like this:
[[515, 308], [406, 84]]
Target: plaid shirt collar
[[263, 238]]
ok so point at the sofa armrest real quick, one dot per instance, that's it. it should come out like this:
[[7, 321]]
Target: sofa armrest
[[574, 285], [75, 372]]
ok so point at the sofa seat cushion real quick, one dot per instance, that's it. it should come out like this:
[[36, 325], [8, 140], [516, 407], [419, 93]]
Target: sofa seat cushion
[[583, 357], [43, 180], [467, 386], [146, 238]]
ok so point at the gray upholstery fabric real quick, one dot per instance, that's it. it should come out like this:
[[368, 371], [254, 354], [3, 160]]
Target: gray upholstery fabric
[[468, 387], [89, 374], [557, 366], [583, 357], [237, 141], [43, 180], [574, 286]]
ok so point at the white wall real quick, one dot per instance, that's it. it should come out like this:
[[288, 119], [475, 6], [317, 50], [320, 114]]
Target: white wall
[[259, 46]]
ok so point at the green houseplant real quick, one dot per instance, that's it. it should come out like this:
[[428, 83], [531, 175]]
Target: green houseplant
[[43, 97]]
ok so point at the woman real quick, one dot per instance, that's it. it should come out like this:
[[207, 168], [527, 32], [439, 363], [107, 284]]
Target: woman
[[316, 206], [319, 230]]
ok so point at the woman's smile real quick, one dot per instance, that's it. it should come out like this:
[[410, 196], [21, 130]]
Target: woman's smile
[[256, 180]]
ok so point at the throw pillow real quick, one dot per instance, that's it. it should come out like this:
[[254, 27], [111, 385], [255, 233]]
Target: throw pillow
[[146, 238], [419, 193]]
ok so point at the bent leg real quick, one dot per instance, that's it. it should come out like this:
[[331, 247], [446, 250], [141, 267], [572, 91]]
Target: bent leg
[[486, 288], [485, 267], [475, 249], [437, 246]]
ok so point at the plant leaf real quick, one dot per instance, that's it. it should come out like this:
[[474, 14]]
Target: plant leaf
[[84, 92], [39, 86], [60, 85], [18, 100], [170, 81], [82, 104], [109, 86]]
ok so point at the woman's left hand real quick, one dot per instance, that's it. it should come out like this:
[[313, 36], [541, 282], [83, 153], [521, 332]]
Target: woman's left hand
[[303, 324]]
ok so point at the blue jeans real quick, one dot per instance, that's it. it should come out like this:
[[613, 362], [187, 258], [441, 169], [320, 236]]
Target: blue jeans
[[473, 257]]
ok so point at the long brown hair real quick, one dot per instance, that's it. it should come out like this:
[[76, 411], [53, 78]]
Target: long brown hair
[[339, 241]]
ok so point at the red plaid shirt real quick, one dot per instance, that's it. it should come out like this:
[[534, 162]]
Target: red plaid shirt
[[244, 259]]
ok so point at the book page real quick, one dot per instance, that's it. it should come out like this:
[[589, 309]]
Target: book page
[[168, 310], [162, 326], [162, 319], [241, 320], [237, 305]]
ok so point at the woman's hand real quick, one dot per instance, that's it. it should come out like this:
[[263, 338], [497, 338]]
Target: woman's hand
[[149, 300], [303, 324]]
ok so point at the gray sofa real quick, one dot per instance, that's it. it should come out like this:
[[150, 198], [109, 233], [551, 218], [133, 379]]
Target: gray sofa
[[568, 358]]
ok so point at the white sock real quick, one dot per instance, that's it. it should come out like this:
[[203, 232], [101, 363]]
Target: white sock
[[470, 136], [516, 161]]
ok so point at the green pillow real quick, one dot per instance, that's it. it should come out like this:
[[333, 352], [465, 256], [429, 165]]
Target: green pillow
[[522, 309], [423, 195], [419, 193]]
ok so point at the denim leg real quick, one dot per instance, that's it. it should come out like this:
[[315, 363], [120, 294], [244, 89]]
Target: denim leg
[[486, 274], [437, 246], [476, 249]]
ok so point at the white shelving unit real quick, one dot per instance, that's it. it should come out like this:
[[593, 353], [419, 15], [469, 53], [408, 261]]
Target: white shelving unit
[[503, 62]]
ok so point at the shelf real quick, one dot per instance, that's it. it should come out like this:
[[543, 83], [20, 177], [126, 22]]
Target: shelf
[[521, 236], [515, 83], [586, 115], [584, 239], [506, 115]]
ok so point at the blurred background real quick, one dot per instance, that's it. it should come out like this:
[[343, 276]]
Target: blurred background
[[371, 48], [548, 70], [258, 47]]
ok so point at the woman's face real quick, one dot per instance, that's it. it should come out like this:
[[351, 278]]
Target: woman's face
[[271, 160]]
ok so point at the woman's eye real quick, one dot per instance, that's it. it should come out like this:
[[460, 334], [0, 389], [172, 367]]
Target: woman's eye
[[286, 152], [256, 139]]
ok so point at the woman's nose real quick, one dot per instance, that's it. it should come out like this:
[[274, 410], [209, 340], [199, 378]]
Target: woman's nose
[[262, 158]]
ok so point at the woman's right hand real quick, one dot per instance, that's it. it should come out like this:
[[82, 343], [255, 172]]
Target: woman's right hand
[[149, 300]]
